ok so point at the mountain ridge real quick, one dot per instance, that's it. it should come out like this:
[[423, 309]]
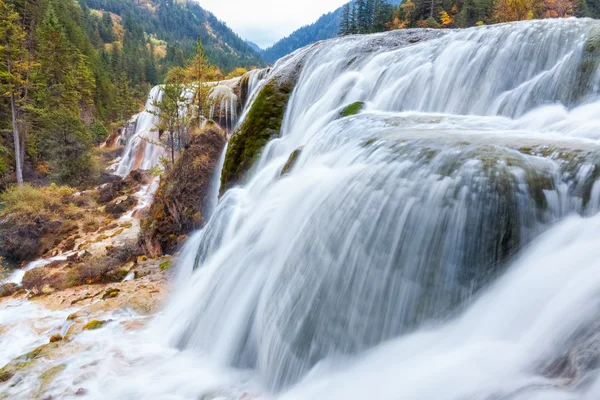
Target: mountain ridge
[[326, 27]]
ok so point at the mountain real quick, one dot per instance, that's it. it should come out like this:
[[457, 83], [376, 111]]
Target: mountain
[[254, 46], [177, 24], [326, 27]]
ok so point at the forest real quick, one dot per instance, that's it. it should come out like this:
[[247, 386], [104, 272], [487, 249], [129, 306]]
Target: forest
[[73, 72], [369, 16]]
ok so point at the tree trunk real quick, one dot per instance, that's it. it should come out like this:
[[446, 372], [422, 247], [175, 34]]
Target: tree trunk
[[17, 140], [15, 123]]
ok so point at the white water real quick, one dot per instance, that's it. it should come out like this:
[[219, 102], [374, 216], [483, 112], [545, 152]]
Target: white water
[[142, 150], [442, 244], [395, 218]]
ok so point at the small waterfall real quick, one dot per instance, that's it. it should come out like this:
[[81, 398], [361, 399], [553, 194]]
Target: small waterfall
[[213, 197], [470, 145], [224, 104], [142, 150]]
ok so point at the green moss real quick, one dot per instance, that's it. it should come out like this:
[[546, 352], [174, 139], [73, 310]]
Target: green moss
[[352, 109], [262, 123], [94, 324], [110, 293], [291, 161], [165, 265]]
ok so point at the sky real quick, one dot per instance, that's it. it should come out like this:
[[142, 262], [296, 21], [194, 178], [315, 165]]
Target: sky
[[266, 21]]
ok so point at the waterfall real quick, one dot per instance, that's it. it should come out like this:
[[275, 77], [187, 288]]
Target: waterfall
[[362, 272], [142, 150]]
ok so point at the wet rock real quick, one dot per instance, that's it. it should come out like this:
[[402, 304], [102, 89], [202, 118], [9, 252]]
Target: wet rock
[[291, 161], [120, 206], [8, 289], [93, 325], [56, 338]]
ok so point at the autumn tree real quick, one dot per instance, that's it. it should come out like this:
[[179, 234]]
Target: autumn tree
[[514, 10], [558, 8]]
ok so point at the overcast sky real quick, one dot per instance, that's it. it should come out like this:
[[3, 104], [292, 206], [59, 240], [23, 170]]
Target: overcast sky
[[266, 21]]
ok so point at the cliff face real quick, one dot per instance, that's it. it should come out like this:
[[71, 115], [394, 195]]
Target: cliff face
[[178, 203]]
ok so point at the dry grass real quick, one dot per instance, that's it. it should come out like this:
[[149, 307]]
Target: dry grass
[[31, 201]]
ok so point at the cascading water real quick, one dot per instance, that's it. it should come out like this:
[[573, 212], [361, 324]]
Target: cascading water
[[142, 150], [470, 144], [439, 239]]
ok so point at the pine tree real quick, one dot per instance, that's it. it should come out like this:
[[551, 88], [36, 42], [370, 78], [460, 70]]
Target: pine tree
[[369, 14], [14, 75], [345, 21], [362, 17], [353, 25]]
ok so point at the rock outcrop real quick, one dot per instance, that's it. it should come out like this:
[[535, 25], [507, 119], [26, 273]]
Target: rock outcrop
[[177, 206]]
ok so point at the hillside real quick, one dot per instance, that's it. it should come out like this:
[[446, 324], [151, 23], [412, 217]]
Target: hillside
[[326, 27], [179, 24]]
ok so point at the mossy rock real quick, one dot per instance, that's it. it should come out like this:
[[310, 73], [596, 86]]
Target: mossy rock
[[22, 362], [352, 109], [262, 123], [111, 293], [291, 160], [590, 60], [94, 324], [47, 377]]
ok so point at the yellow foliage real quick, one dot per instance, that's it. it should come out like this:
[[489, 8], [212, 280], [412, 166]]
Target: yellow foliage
[[445, 18], [236, 72], [515, 10], [479, 23], [408, 7]]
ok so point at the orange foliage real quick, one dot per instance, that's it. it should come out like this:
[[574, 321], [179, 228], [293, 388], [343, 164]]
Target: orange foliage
[[558, 8]]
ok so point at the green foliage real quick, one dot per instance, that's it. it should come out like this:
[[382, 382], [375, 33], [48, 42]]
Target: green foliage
[[67, 145], [4, 163], [98, 132]]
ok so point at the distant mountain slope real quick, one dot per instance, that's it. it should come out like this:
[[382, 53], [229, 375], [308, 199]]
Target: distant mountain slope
[[326, 27], [179, 23], [254, 46]]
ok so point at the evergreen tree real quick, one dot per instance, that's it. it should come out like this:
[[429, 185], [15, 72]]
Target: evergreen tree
[[14, 76], [345, 21], [362, 16]]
